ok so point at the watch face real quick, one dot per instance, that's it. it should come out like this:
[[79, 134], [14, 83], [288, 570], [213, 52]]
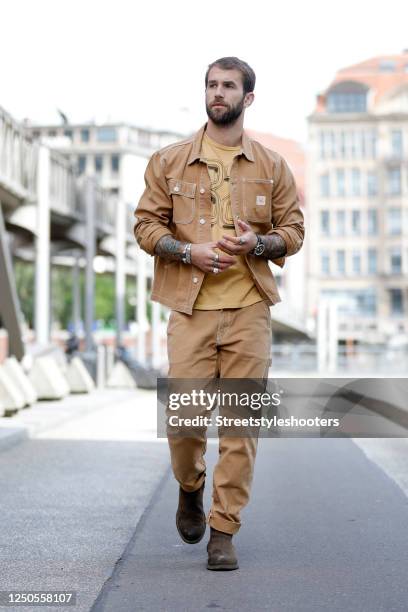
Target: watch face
[[259, 249]]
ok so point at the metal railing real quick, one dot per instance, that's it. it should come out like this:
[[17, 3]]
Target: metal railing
[[63, 195], [359, 361], [18, 159]]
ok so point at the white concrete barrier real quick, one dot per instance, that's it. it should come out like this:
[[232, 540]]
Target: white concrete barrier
[[78, 378], [15, 371], [120, 377], [47, 379], [11, 397]]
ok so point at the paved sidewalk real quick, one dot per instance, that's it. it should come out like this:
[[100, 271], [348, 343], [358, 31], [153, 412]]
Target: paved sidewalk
[[72, 494], [88, 504]]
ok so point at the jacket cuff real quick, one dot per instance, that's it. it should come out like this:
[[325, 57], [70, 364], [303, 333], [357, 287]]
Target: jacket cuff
[[148, 240]]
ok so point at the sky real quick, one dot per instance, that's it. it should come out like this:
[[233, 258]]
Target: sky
[[144, 62]]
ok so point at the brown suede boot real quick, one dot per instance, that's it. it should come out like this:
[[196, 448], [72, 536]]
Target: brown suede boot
[[221, 552], [190, 517]]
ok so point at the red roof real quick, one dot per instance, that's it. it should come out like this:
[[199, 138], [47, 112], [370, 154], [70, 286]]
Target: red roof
[[371, 73]]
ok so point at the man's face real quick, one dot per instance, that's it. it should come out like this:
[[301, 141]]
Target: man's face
[[224, 96]]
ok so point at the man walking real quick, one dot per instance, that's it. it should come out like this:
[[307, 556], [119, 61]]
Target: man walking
[[217, 206]]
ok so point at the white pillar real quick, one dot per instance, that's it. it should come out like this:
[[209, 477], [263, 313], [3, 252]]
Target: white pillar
[[141, 307], [90, 221], [76, 295], [333, 337], [156, 335], [120, 275], [42, 259], [322, 336]]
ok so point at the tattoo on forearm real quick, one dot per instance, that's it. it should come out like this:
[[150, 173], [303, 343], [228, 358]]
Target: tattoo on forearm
[[169, 248], [275, 246]]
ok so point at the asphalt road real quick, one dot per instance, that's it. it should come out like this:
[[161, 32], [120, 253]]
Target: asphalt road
[[326, 530]]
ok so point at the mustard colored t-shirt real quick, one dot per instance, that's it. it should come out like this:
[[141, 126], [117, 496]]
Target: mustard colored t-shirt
[[234, 287]]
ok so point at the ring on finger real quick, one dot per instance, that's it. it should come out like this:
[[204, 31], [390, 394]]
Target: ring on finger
[[215, 270]]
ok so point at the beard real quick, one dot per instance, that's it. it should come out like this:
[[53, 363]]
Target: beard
[[228, 115]]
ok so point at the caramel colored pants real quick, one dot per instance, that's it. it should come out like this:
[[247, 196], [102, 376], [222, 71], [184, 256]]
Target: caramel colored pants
[[228, 343]]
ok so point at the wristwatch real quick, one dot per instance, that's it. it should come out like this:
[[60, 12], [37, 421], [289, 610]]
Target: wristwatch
[[259, 248]]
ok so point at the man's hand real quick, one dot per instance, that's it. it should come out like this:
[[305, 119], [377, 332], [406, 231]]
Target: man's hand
[[238, 245], [207, 259]]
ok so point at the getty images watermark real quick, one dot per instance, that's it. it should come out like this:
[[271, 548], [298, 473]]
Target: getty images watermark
[[255, 401], [289, 407]]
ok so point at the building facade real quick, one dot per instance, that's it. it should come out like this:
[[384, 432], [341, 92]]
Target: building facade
[[357, 193]]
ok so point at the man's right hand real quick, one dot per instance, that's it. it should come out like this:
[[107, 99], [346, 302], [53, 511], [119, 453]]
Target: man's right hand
[[202, 256]]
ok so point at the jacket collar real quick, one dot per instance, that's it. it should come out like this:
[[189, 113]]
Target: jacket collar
[[196, 150]]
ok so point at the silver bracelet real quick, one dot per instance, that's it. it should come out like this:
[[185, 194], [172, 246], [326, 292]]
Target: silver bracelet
[[186, 256]]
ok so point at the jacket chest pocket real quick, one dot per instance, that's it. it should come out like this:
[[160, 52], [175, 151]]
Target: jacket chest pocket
[[183, 197], [257, 199]]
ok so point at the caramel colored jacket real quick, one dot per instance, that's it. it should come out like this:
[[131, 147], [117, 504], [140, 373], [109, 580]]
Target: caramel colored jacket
[[177, 201]]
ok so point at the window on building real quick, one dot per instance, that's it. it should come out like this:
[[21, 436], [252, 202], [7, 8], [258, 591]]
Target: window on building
[[355, 182], [362, 144], [340, 222], [343, 145], [341, 182], [52, 133], [106, 134], [396, 301], [68, 133], [371, 144], [85, 135], [98, 163], [81, 164], [396, 143], [361, 302], [356, 222], [395, 260], [332, 141], [353, 148], [322, 145], [394, 220], [325, 185], [372, 184], [325, 222], [338, 102], [325, 262], [372, 261], [356, 262], [366, 302], [372, 221], [115, 163], [394, 181], [341, 261]]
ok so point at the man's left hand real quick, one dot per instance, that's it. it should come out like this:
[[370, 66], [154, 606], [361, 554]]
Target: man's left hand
[[238, 245]]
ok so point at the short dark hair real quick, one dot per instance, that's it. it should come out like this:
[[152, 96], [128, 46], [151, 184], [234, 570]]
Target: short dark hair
[[229, 63]]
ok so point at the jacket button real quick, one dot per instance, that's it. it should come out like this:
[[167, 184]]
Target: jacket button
[[195, 279], [202, 221], [202, 190], [177, 188]]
